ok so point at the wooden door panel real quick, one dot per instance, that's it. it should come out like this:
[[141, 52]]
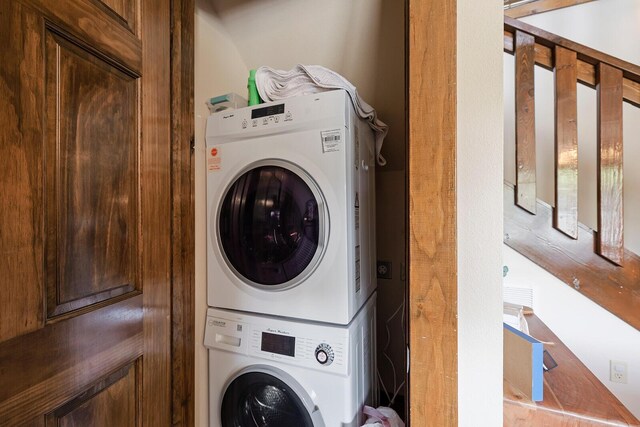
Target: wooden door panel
[[91, 176], [46, 369], [155, 198], [125, 10], [86, 218], [89, 21], [21, 196], [112, 401]]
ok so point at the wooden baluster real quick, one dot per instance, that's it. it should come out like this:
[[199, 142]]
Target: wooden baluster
[[525, 122], [609, 242], [565, 214]]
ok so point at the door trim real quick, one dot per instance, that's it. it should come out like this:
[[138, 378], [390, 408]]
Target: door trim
[[183, 214], [432, 237]]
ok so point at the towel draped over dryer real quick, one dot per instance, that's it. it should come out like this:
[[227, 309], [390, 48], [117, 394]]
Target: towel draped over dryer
[[275, 84]]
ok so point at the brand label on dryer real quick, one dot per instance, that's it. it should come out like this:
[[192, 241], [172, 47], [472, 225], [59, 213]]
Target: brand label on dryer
[[357, 215], [214, 159], [357, 268], [331, 140], [356, 157]]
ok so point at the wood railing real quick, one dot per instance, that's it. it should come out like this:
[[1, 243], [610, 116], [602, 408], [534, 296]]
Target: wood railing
[[616, 81], [595, 263]]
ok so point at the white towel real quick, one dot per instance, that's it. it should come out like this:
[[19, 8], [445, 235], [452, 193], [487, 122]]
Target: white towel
[[275, 84]]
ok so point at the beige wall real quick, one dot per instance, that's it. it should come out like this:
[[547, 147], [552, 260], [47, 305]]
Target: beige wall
[[479, 212], [361, 39], [218, 69]]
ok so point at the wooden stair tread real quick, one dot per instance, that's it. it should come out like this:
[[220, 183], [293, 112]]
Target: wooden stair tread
[[573, 396]]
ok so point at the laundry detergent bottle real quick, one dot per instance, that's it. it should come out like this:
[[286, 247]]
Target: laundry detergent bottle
[[254, 98]]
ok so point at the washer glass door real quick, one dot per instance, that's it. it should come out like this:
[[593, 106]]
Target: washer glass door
[[269, 225], [257, 399]]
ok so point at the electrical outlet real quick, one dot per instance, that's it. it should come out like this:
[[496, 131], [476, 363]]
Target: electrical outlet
[[618, 371], [384, 269]]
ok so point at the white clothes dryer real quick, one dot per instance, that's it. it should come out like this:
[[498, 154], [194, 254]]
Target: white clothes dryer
[[291, 209], [270, 372]]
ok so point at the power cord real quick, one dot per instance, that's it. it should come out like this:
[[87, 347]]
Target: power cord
[[396, 388]]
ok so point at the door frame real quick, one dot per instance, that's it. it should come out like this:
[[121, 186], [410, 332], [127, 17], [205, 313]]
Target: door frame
[[431, 73], [431, 244], [183, 213]]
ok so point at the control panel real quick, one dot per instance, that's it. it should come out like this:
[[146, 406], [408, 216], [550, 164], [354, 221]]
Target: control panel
[[318, 110], [269, 115], [314, 346], [281, 345]]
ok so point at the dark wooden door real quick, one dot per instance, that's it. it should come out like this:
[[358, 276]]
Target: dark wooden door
[[85, 233]]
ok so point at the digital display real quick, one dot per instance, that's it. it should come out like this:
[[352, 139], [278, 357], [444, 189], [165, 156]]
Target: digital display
[[267, 111], [280, 344]]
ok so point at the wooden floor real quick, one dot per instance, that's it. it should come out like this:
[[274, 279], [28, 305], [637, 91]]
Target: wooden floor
[[573, 396]]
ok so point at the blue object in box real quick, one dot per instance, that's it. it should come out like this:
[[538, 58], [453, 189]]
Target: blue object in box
[[225, 102]]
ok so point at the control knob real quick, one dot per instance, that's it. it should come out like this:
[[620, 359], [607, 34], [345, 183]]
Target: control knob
[[324, 354]]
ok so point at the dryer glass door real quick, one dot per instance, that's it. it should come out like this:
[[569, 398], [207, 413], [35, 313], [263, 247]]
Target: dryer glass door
[[257, 399], [269, 226]]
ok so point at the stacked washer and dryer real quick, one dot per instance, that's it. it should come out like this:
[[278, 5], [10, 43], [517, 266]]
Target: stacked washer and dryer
[[291, 264]]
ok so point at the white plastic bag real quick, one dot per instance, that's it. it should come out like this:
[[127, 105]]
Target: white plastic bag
[[382, 417]]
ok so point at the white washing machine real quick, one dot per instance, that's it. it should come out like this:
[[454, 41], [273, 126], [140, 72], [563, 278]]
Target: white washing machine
[[270, 372], [291, 209]]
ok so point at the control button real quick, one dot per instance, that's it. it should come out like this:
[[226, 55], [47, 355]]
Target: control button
[[277, 119], [322, 357], [288, 116], [254, 123], [324, 354], [265, 121], [244, 124]]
